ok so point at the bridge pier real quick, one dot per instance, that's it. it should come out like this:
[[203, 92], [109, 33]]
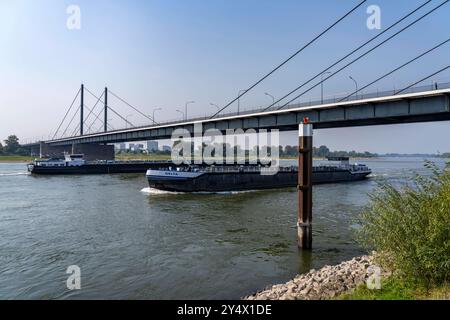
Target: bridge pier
[[305, 166], [47, 151], [91, 151]]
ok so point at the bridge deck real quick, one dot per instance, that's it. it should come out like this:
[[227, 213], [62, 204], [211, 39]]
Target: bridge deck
[[424, 106]]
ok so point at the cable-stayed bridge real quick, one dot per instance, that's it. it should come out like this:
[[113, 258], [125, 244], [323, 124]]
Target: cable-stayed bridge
[[413, 103], [408, 105], [372, 109]]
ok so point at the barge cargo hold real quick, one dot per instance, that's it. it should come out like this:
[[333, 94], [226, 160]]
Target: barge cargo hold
[[240, 178]]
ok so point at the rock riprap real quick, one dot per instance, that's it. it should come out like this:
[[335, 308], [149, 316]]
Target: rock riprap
[[326, 283]]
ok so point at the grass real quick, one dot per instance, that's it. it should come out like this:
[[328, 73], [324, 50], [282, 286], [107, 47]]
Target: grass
[[4, 158], [131, 156], [409, 227], [397, 289], [150, 157]]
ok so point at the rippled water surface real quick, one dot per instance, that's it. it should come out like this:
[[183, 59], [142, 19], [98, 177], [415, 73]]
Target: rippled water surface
[[134, 243]]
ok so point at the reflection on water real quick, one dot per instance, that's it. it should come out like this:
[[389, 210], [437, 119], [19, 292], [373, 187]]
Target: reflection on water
[[134, 242]]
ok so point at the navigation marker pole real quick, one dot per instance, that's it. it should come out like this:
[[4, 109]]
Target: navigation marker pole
[[304, 187]]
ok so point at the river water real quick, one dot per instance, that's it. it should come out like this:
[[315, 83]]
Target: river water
[[134, 243]]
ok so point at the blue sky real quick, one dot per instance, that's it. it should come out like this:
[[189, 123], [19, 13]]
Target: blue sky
[[164, 53]]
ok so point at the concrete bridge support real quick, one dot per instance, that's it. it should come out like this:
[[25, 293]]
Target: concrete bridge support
[[47, 151], [91, 151]]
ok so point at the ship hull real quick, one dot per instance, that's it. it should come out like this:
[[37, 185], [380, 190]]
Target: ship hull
[[222, 182], [100, 168]]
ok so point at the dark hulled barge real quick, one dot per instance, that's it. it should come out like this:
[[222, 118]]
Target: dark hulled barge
[[75, 164], [248, 177]]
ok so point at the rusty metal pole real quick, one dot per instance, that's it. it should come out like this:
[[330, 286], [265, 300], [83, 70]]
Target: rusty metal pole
[[305, 166]]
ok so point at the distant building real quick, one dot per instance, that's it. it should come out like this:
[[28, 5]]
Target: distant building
[[131, 146], [166, 148], [122, 147], [138, 147], [152, 146]]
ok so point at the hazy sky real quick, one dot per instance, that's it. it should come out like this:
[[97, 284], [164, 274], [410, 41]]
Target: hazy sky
[[164, 53]]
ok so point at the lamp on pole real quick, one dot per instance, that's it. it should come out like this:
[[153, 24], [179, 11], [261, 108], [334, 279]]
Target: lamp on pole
[[215, 105], [155, 109], [321, 85], [269, 95], [181, 113], [435, 85], [126, 120], [356, 84], [185, 108], [239, 99]]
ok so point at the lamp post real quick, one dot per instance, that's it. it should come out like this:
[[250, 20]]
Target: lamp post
[[269, 95], [435, 85], [126, 120], [185, 108], [239, 99], [215, 105], [321, 85], [156, 109], [181, 113], [356, 84]]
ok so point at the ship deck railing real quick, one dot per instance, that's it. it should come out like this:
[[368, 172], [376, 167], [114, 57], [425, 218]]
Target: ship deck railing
[[258, 169]]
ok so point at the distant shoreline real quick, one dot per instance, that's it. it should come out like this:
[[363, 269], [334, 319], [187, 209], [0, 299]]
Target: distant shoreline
[[325, 159], [15, 159], [24, 159]]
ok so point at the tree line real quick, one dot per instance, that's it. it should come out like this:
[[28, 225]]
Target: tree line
[[324, 151], [287, 151], [11, 146]]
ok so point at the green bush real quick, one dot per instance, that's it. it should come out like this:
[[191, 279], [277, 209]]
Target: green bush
[[409, 226]]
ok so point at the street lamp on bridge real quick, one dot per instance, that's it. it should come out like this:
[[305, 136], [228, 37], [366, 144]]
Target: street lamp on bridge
[[239, 99], [356, 84], [155, 109], [215, 105], [321, 85], [269, 95], [185, 108], [184, 116]]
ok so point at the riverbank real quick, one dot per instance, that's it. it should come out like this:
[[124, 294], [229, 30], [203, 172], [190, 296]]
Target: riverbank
[[142, 157], [326, 283], [163, 157], [348, 281], [15, 159], [325, 159], [393, 288]]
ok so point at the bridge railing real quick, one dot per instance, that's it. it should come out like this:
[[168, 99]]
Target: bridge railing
[[361, 96], [334, 99], [377, 94]]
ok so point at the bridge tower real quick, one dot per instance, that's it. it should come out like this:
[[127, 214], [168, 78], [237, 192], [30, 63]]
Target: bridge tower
[[81, 109], [106, 111]]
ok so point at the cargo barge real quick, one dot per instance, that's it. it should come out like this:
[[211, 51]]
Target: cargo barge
[[256, 177], [75, 164]]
